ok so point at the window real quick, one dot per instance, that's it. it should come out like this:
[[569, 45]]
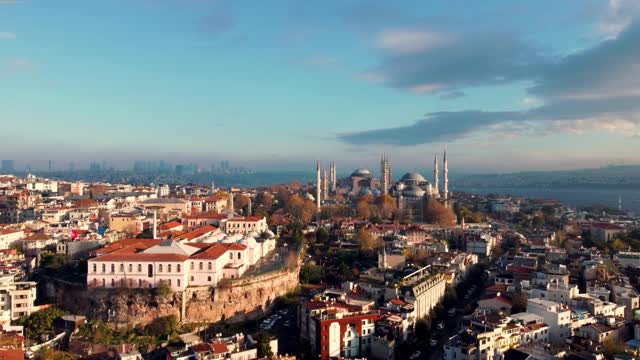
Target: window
[[239, 255], [139, 268], [160, 268], [130, 268], [104, 267], [178, 282], [103, 283], [192, 278], [121, 267], [200, 265], [113, 282], [209, 265], [150, 271], [169, 268], [192, 267], [139, 282], [130, 282], [169, 282], [208, 278], [95, 267], [231, 255], [178, 267]]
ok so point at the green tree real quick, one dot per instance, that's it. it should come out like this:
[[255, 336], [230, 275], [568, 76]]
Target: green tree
[[311, 274], [264, 347], [40, 324], [322, 235]]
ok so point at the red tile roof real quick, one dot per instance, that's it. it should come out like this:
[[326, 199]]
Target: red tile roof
[[142, 257], [196, 233], [170, 225], [219, 347]]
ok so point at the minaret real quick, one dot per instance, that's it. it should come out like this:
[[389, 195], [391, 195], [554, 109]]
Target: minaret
[[155, 224], [435, 174], [325, 185], [445, 189], [249, 208], [213, 187], [385, 176], [231, 210], [318, 185]]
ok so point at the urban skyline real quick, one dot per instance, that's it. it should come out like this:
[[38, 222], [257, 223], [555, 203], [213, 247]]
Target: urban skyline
[[347, 80]]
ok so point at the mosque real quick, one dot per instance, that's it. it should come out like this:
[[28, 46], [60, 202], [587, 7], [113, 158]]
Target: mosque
[[412, 192]]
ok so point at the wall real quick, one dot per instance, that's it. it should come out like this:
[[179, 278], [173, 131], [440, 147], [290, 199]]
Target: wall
[[234, 301]]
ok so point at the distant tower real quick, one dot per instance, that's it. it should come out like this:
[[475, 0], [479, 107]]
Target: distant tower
[[213, 187], [249, 208], [385, 174], [325, 185], [334, 178], [318, 187], [435, 174], [231, 210], [445, 190], [619, 203]]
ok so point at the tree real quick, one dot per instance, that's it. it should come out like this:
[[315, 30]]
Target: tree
[[300, 209], [519, 302], [423, 327], [240, 202], [322, 235], [311, 274], [264, 199], [367, 241], [436, 213], [363, 210], [40, 324], [387, 206], [264, 346]]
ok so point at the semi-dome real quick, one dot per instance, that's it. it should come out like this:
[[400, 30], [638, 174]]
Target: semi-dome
[[361, 172], [309, 197], [413, 176], [413, 191]]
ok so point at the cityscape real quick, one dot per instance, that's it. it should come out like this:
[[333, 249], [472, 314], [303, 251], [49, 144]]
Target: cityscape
[[217, 179]]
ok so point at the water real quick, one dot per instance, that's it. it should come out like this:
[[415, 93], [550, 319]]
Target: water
[[574, 197]]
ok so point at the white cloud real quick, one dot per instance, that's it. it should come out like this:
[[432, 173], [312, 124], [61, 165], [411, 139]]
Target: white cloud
[[617, 15], [407, 41], [7, 35]]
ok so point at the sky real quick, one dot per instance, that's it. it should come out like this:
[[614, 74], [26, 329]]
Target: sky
[[503, 85]]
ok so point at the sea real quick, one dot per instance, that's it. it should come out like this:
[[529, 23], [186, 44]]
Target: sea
[[574, 197]]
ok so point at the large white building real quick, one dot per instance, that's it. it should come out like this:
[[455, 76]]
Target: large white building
[[423, 289], [140, 263], [556, 315], [16, 299]]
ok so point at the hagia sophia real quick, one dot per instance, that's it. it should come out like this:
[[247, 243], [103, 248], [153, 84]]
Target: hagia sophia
[[412, 191]]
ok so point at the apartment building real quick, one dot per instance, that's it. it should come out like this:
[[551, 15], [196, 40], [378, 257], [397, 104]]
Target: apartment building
[[556, 315]]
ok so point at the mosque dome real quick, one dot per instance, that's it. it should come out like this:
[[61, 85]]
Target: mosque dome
[[361, 172], [400, 186], [413, 191], [309, 197], [413, 177]]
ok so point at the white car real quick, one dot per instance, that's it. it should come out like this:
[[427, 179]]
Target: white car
[[415, 355]]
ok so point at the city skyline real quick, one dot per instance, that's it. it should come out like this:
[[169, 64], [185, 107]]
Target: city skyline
[[279, 87]]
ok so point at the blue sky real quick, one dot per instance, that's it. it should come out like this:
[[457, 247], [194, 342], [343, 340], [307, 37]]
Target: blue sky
[[503, 85]]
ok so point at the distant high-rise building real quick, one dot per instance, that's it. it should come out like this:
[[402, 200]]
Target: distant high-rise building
[[7, 165], [50, 165], [334, 178], [318, 187]]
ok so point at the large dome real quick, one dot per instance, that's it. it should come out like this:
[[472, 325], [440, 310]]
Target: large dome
[[361, 172], [413, 176], [413, 191]]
